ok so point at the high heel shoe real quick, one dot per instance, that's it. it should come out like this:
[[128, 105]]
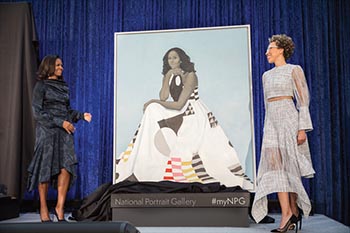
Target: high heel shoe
[[293, 221], [299, 221], [58, 219], [46, 221]]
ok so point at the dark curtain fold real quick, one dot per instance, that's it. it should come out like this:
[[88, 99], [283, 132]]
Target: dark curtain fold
[[18, 63], [82, 33]]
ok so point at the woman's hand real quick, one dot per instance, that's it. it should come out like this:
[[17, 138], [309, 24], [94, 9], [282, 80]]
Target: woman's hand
[[168, 74], [301, 137], [148, 103], [177, 71], [69, 127], [87, 117]]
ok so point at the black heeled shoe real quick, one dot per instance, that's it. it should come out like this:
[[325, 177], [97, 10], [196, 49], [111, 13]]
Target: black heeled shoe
[[59, 220], [299, 221], [46, 221], [293, 221]]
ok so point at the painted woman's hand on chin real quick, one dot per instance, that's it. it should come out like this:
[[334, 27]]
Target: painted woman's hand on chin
[[177, 71]]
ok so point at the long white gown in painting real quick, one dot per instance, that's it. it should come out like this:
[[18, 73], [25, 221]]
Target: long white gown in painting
[[181, 146]]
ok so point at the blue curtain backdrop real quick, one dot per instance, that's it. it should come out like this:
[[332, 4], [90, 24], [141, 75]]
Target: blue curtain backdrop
[[81, 32]]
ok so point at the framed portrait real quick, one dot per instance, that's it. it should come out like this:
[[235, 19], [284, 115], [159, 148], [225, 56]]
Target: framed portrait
[[222, 59]]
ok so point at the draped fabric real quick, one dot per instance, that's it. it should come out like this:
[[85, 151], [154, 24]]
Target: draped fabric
[[81, 32], [186, 145], [18, 63]]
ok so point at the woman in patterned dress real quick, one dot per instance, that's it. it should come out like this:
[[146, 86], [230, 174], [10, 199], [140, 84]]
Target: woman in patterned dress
[[285, 155], [54, 158]]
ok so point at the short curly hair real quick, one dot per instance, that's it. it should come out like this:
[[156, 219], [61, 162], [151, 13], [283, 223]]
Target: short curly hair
[[284, 42]]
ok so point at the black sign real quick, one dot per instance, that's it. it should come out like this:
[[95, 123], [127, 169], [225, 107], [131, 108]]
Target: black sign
[[219, 200]]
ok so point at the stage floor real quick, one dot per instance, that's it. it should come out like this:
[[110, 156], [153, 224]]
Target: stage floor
[[314, 224]]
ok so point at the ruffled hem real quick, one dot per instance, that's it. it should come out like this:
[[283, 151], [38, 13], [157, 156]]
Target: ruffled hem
[[34, 180], [54, 150], [274, 182]]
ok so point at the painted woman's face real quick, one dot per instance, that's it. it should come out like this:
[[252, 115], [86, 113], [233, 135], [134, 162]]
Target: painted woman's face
[[174, 60], [58, 68]]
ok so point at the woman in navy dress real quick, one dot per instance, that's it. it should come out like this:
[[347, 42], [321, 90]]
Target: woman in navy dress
[[54, 158]]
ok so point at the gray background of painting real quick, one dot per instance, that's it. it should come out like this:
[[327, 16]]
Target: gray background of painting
[[222, 62]]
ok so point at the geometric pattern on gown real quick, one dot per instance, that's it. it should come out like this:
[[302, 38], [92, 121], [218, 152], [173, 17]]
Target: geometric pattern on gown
[[237, 170], [125, 155], [177, 162], [187, 171], [212, 120], [175, 122]]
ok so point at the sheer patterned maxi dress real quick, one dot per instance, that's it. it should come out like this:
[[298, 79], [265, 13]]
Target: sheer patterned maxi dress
[[186, 145], [283, 162], [54, 147]]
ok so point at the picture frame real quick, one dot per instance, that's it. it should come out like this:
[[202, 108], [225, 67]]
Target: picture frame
[[222, 58]]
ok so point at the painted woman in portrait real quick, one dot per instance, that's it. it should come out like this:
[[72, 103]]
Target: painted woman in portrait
[[179, 139]]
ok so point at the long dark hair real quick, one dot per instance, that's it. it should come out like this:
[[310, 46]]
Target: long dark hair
[[47, 67], [186, 63]]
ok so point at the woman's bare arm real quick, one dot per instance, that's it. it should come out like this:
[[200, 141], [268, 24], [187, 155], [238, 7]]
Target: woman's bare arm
[[190, 83], [164, 91]]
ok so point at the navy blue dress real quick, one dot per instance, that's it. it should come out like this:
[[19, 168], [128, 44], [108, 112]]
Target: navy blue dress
[[54, 147]]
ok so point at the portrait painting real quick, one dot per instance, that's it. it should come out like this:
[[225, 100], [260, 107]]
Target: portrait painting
[[221, 59]]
